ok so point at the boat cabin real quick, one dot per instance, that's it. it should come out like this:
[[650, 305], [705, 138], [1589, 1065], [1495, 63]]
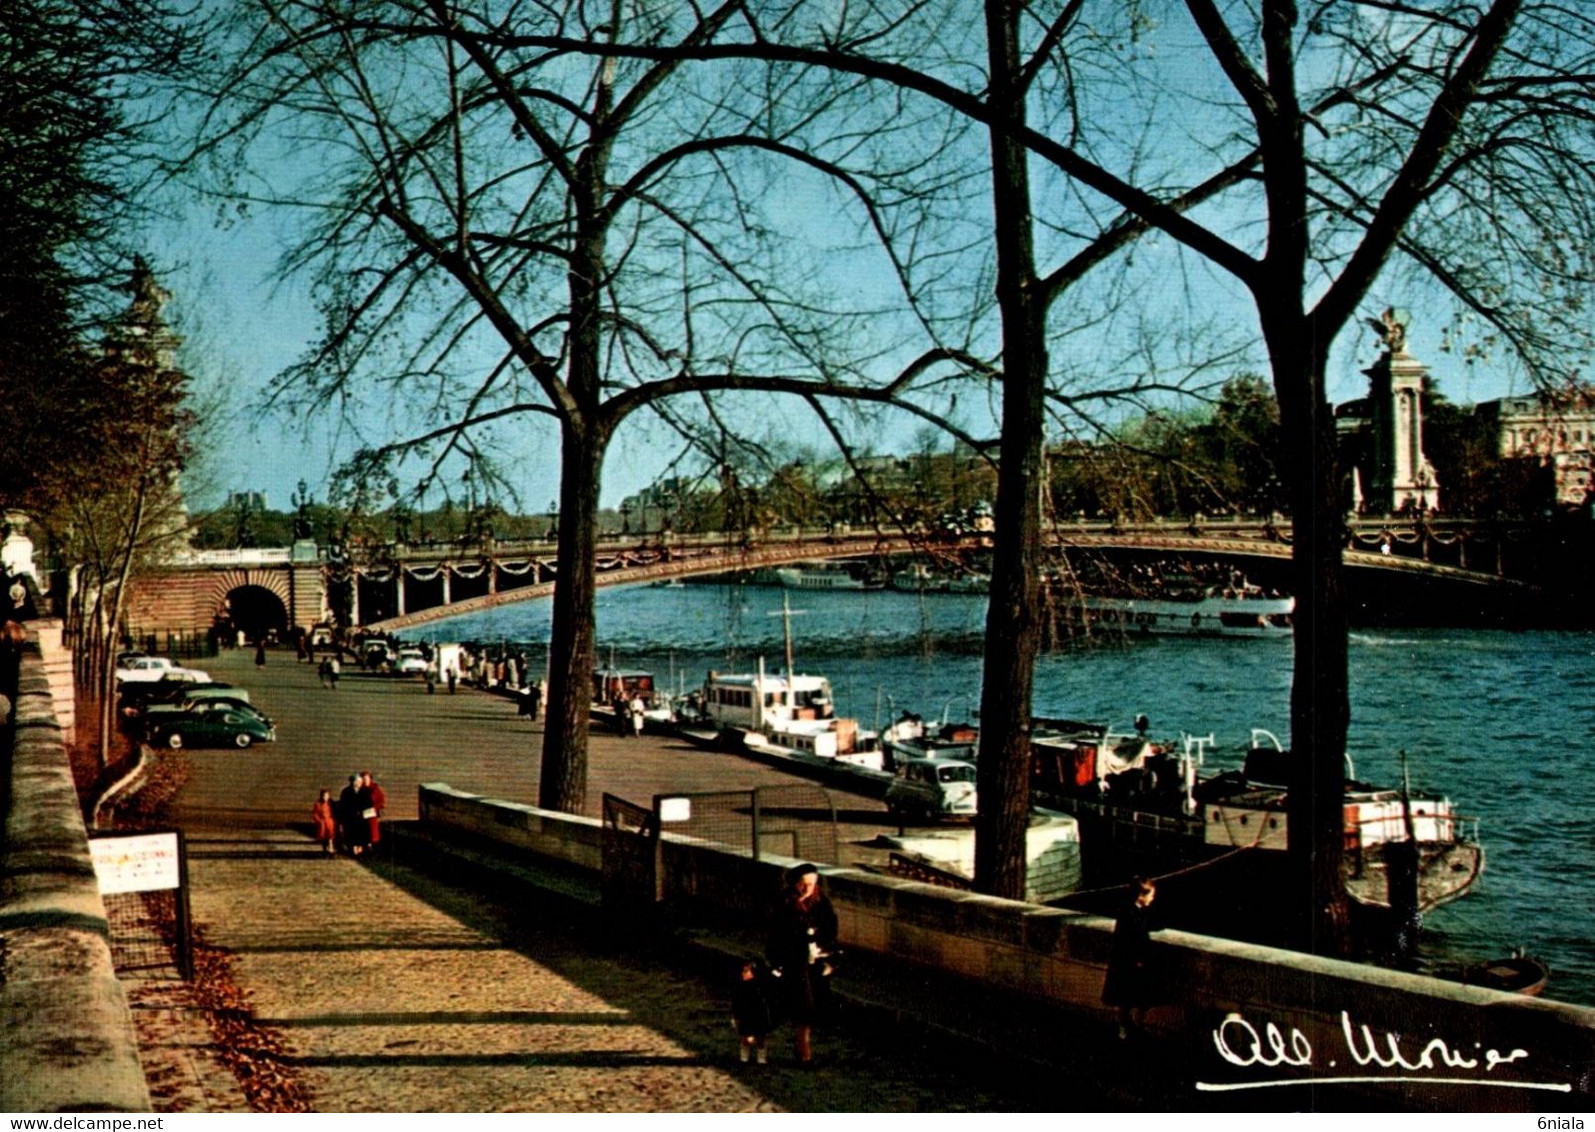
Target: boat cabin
[[611, 684], [756, 701]]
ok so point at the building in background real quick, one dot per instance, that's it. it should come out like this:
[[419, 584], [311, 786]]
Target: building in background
[[1555, 430]]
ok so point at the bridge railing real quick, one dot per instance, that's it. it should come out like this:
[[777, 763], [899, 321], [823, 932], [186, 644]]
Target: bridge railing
[[253, 556]]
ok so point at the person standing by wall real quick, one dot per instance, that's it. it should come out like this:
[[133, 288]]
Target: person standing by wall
[[801, 941], [1132, 981]]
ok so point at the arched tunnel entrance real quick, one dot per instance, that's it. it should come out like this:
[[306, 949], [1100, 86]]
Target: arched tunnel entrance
[[256, 612]]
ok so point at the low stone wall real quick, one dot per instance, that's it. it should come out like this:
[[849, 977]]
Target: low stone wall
[[66, 1036], [1249, 1016], [566, 838]]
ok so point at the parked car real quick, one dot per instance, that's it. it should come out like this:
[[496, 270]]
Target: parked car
[[215, 690], [148, 669], [136, 697], [229, 727], [410, 662], [933, 787], [158, 718]]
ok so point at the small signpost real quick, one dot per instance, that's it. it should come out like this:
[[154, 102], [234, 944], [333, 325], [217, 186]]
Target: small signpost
[[148, 862]]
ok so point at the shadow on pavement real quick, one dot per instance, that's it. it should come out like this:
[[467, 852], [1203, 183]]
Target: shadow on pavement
[[656, 983]]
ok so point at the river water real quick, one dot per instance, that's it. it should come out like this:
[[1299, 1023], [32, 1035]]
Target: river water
[[1499, 721]]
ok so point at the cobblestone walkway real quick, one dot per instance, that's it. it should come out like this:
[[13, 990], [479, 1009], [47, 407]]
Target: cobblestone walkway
[[392, 992]]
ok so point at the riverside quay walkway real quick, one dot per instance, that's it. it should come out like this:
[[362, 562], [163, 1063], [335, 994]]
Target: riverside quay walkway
[[445, 974], [389, 988]]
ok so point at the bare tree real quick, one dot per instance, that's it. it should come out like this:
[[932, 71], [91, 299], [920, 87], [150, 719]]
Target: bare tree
[[122, 509], [1343, 146], [503, 230]]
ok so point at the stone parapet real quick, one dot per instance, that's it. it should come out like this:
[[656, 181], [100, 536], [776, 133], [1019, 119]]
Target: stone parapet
[[66, 1036], [1375, 1030], [56, 661]]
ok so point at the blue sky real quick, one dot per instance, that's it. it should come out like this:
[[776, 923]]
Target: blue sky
[[244, 330], [248, 330]]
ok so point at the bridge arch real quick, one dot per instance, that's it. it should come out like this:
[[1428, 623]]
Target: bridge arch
[[254, 602]]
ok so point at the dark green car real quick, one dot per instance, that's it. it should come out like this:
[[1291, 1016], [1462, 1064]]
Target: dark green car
[[208, 725]]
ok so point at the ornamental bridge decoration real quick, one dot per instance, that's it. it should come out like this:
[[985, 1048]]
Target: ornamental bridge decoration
[[391, 588]]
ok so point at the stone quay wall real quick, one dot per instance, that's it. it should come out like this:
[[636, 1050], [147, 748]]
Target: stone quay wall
[[66, 1036], [1057, 958]]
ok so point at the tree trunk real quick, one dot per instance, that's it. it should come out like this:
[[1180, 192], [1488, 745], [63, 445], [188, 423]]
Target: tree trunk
[[572, 646], [1319, 702], [1013, 621], [124, 571], [584, 437]]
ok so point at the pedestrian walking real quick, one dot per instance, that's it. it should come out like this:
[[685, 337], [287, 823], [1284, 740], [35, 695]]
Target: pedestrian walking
[[326, 824], [324, 672], [801, 943], [453, 677], [751, 1014], [534, 699], [431, 677], [637, 709], [1132, 982], [260, 653], [334, 667]]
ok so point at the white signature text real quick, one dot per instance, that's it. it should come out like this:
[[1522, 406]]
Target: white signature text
[[1386, 1056]]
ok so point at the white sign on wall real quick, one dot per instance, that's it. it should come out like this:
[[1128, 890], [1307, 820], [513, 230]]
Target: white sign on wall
[[675, 809], [145, 862]]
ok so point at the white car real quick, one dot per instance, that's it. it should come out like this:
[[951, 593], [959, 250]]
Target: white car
[[410, 662], [934, 788], [147, 669]]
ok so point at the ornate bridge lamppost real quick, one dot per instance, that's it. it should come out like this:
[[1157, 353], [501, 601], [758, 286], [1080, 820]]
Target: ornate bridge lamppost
[[553, 520], [625, 518]]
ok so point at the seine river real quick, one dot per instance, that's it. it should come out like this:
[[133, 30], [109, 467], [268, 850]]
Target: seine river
[[1500, 721]]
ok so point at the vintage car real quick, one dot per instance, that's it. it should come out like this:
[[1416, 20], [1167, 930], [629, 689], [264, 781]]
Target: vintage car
[[148, 669], [133, 699], [410, 662], [933, 788], [158, 718], [206, 725]]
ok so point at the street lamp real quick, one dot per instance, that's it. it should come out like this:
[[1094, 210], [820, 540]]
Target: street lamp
[[553, 520], [625, 518]]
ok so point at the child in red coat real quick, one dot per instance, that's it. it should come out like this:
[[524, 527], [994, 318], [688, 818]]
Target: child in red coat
[[326, 824]]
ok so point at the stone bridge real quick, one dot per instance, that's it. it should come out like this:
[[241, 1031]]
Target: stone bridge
[[396, 587]]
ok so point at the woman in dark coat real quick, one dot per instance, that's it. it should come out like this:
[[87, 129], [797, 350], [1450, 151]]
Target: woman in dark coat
[[802, 937], [1132, 983], [351, 815]]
